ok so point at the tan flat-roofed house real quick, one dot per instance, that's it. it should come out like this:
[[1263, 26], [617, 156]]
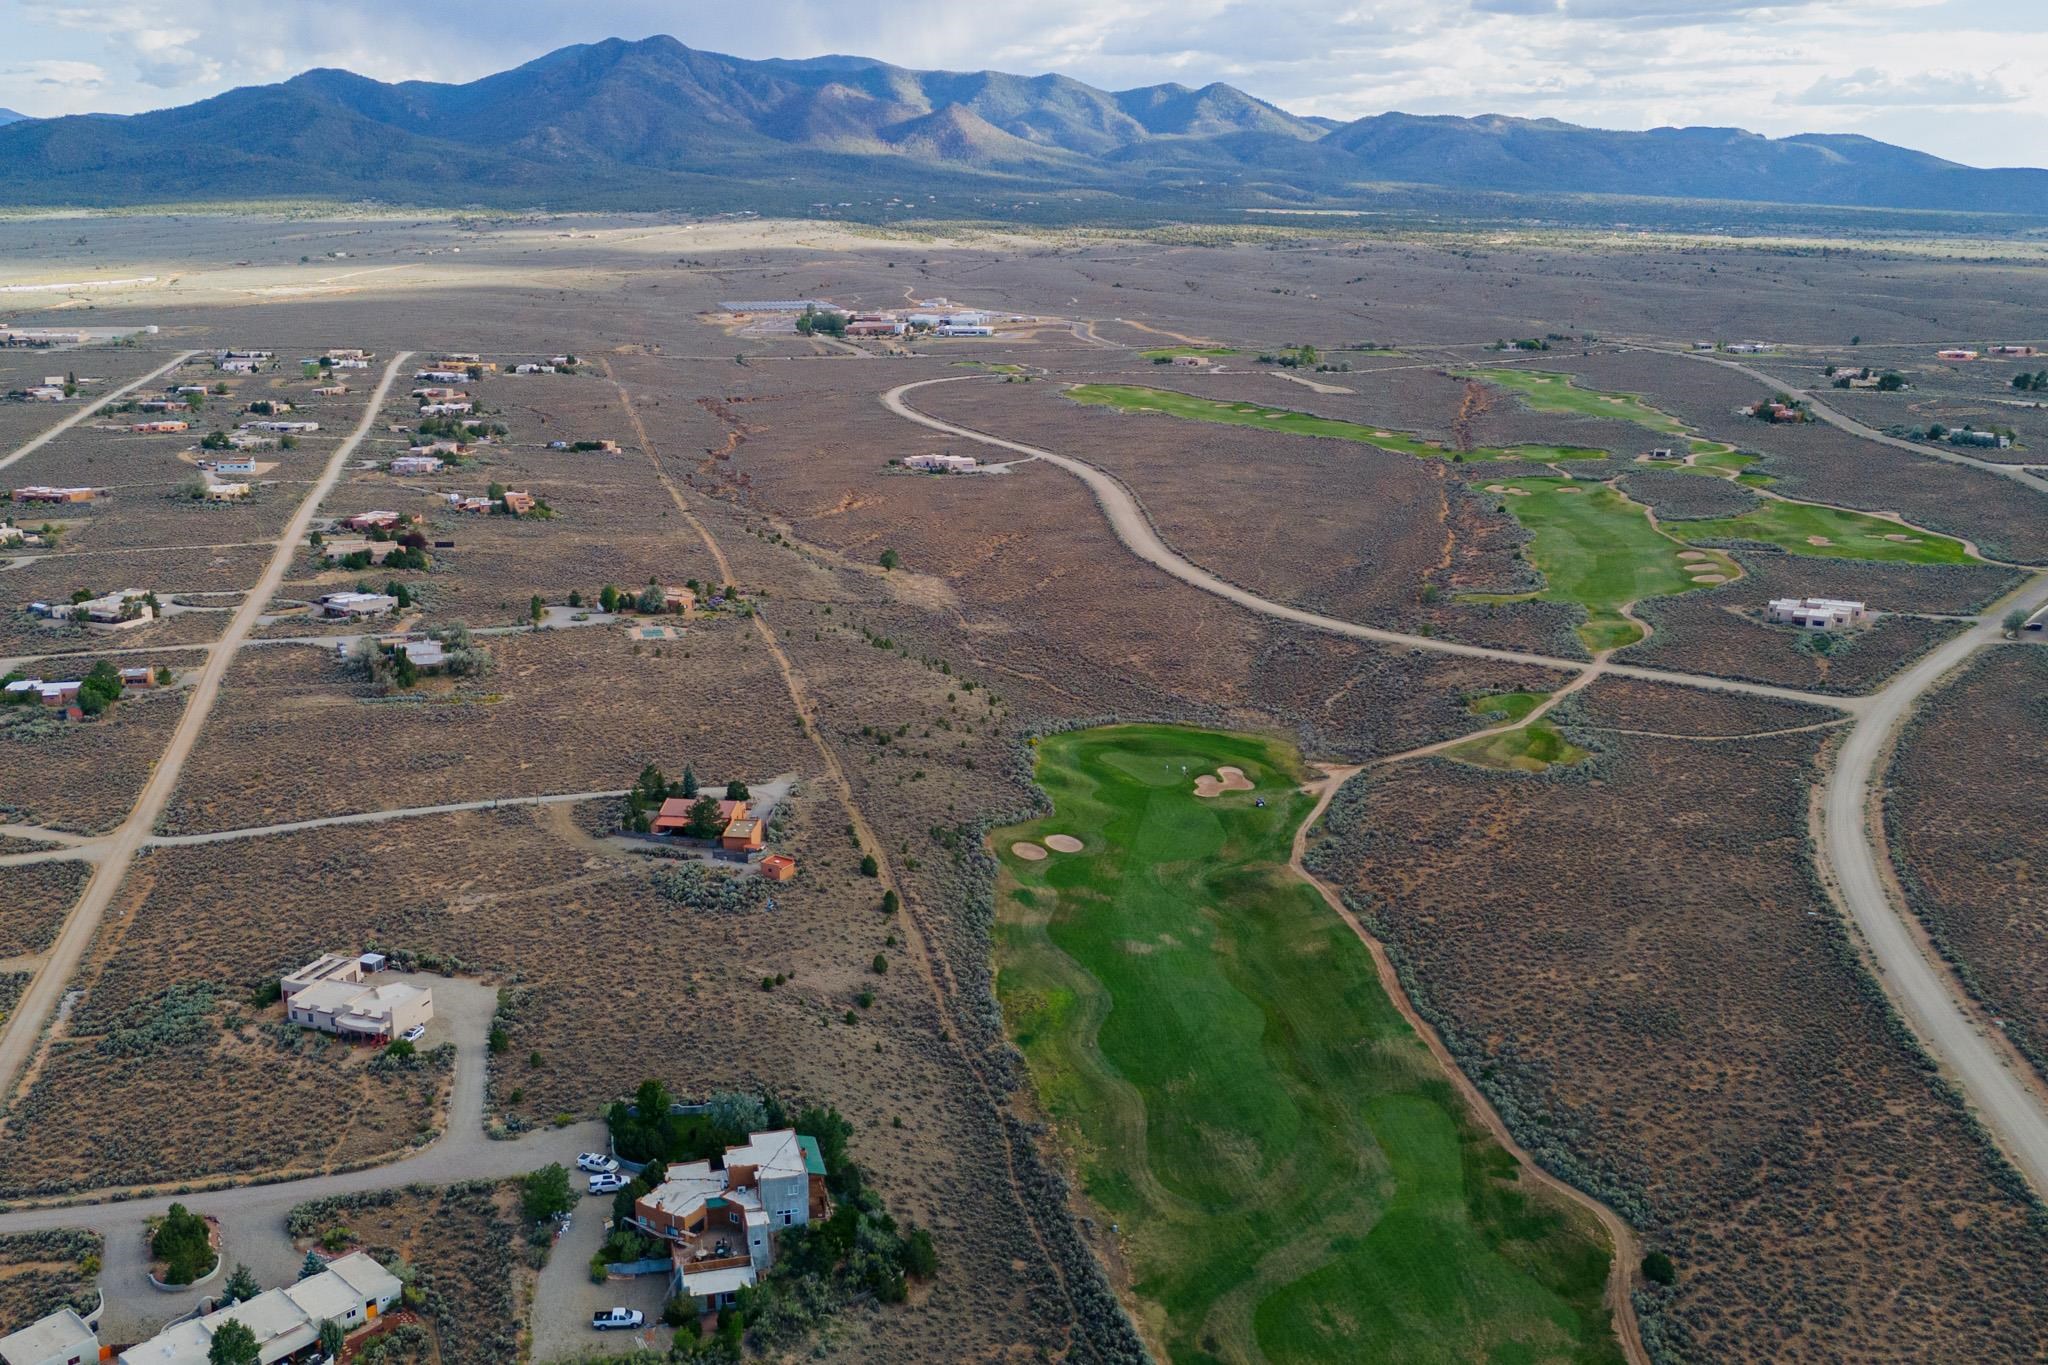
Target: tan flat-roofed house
[[61, 1338], [330, 994]]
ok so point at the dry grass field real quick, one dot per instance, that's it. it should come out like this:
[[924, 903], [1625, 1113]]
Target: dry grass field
[[1961, 809]]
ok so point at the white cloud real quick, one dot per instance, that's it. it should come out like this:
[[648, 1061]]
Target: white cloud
[[57, 72], [1871, 88]]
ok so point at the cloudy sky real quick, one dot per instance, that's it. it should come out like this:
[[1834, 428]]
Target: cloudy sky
[[1966, 79]]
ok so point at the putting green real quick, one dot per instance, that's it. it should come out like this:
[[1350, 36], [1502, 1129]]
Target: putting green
[[1504, 706], [1137, 398], [1292, 1178], [1596, 548], [1531, 749], [1829, 533], [1549, 391]]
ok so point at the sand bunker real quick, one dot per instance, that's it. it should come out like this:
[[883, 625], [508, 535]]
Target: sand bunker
[[1692, 554], [1896, 536], [1818, 540], [1710, 578], [1063, 843], [1029, 852], [1496, 488], [1224, 779]]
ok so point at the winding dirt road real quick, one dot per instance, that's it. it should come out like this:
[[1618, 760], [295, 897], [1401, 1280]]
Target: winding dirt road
[[39, 1002], [1997, 1080], [1134, 528]]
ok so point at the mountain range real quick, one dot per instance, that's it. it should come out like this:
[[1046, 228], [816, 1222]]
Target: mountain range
[[655, 124]]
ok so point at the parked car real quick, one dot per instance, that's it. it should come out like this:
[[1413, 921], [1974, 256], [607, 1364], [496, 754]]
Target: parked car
[[415, 1033], [597, 1163], [613, 1319], [607, 1184]]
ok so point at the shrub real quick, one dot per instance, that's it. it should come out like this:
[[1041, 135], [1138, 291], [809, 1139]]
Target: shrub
[[703, 888], [180, 1241], [1658, 1269], [869, 867], [546, 1193]]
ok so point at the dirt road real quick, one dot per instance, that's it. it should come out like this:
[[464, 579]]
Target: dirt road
[[25, 1026], [1991, 1073], [35, 443]]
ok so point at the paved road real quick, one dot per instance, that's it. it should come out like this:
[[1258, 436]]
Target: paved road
[[1989, 1070], [1134, 528], [1844, 422], [35, 443], [24, 1027], [252, 1217]]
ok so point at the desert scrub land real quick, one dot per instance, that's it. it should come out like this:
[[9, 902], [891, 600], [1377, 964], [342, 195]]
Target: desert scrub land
[[1291, 1177], [1963, 804], [34, 898], [1139, 399], [144, 1089], [1680, 1026], [84, 775], [456, 1248], [41, 1272], [299, 737]]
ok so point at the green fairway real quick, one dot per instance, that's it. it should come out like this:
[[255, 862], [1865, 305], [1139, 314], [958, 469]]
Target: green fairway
[[1531, 749], [1829, 532], [1137, 398], [1548, 391], [1292, 1178], [1596, 548], [1169, 352]]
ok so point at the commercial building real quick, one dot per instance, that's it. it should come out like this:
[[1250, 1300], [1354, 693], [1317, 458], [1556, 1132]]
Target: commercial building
[[1817, 613], [61, 1338]]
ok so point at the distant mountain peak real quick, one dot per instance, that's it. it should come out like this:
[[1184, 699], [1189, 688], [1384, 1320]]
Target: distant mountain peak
[[651, 122]]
